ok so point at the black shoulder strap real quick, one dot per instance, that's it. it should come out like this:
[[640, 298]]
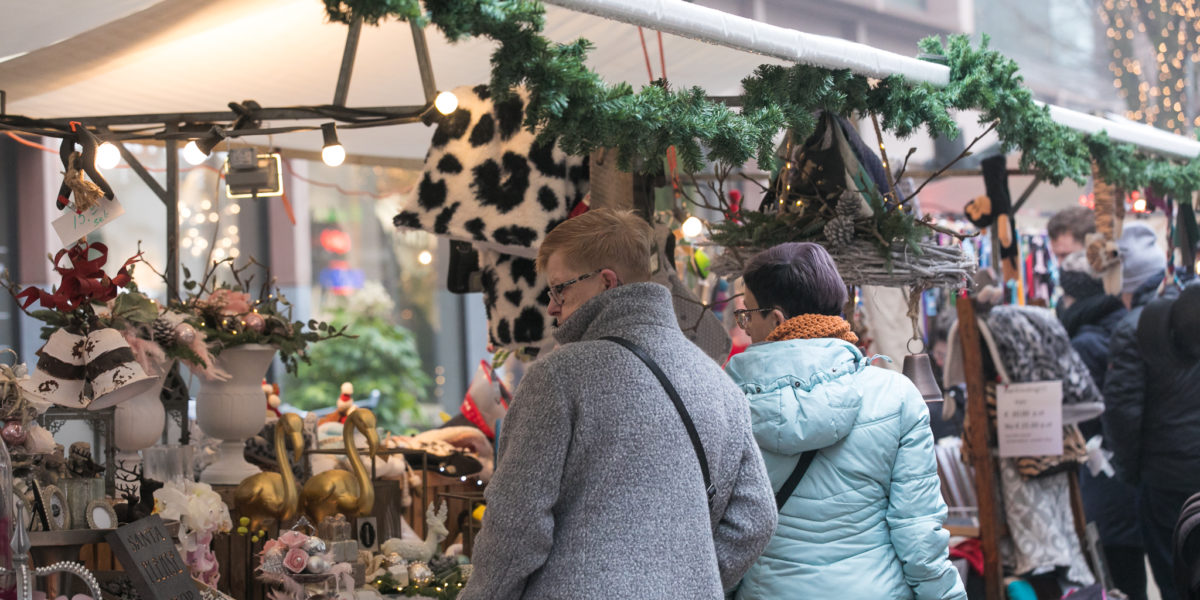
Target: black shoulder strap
[[683, 413], [793, 480]]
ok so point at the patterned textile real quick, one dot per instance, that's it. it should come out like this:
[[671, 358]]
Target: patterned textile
[[1033, 346]]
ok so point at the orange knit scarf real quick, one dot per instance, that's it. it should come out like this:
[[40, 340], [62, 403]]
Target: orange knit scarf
[[804, 327]]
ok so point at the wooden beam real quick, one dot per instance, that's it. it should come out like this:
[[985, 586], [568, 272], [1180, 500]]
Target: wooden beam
[[977, 437]]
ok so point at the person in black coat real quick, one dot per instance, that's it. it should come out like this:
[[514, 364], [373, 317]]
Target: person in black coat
[[1152, 403], [1089, 316]]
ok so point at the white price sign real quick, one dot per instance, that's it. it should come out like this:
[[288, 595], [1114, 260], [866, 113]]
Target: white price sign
[[1029, 418], [73, 226]]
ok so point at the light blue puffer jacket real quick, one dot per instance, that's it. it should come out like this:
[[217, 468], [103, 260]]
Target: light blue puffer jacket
[[866, 520]]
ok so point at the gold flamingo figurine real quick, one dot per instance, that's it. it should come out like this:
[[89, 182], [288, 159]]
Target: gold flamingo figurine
[[337, 491], [265, 496]]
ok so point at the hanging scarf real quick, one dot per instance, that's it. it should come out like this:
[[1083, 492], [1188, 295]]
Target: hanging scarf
[[804, 327]]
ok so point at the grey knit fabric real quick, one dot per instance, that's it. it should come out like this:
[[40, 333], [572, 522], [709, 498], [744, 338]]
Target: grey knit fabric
[[597, 491]]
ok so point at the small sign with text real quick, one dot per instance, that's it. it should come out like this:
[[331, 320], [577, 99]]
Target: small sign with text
[[73, 226], [1029, 418]]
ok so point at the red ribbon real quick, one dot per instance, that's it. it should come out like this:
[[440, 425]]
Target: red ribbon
[[83, 281]]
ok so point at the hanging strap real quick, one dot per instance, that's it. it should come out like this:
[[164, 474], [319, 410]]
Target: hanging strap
[[637, 351], [793, 480]]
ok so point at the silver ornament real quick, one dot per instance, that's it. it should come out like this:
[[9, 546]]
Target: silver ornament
[[272, 561], [314, 545], [419, 573], [317, 565]]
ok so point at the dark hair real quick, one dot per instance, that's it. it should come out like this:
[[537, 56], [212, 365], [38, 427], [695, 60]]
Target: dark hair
[[1078, 221], [798, 278]]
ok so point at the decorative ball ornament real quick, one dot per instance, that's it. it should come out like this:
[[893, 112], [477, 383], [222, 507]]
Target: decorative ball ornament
[[314, 545], [14, 433], [419, 573], [317, 565], [254, 322], [185, 333]]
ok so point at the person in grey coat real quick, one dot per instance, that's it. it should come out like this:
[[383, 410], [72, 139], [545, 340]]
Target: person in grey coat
[[598, 491]]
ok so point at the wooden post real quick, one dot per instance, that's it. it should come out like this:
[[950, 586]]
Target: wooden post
[[977, 434]]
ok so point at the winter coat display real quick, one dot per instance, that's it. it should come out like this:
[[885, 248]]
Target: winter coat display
[[866, 519], [598, 492], [1152, 421], [1031, 345], [1107, 501]]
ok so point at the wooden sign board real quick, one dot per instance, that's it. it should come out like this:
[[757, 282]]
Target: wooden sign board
[[147, 552]]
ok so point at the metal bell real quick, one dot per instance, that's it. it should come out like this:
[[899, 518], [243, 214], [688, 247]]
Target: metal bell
[[919, 370]]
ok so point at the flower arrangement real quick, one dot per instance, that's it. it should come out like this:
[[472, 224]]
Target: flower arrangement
[[201, 513], [228, 315], [295, 559]]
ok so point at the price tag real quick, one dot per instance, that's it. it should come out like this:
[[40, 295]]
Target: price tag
[[1029, 418], [73, 226]]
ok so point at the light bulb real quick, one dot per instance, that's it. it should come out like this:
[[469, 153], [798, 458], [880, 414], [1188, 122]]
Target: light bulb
[[425, 257], [446, 102], [193, 154], [692, 227], [107, 156], [333, 155]]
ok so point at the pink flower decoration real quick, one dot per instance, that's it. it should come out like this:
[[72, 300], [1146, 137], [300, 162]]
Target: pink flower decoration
[[230, 302], [292, 539], [296, 560], [273, 544]]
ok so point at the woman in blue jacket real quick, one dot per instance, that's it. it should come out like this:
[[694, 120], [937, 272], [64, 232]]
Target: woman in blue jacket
[[865, 520]]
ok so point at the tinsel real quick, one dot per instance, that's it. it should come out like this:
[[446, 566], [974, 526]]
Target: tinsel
[[571, 102]]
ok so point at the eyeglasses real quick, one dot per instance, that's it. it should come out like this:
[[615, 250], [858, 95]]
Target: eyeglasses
[[556, 291], [742, 316]]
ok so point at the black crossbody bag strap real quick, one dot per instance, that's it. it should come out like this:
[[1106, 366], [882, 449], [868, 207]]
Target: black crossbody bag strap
[[793, 480], [683, 413]]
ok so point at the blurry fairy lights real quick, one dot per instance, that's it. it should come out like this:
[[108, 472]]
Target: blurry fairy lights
[[1155, 44], [210, 224]]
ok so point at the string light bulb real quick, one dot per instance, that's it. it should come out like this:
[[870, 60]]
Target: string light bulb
[[692, 227], [425, 257], [333, 154], [193, 154], [107, 156], [446, 103]]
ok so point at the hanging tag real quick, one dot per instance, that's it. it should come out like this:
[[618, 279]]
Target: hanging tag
[[73, 226], [1029, 418]]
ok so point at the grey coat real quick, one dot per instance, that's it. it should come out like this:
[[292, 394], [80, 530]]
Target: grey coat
[[597, 491]]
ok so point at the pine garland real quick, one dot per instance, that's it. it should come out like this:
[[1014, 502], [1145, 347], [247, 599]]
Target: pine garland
[[570, 102]]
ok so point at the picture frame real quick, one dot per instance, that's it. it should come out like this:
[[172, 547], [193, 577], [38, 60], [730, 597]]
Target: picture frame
[[100, 515], [54, 506]]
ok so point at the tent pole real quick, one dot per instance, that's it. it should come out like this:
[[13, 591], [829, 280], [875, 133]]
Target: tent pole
[[421, 45], [172, 200], [343, 82]]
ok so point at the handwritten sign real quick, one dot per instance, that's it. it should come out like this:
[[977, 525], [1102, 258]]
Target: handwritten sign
[[72, 226], [147, 552], [1029, 418]]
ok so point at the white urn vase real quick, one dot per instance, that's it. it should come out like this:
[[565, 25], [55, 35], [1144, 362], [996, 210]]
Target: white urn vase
[[233, 411], [137, 424]]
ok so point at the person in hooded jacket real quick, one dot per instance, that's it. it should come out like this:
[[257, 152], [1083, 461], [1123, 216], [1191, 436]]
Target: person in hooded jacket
[[865, 520], [1151, 405], [1089, 316]]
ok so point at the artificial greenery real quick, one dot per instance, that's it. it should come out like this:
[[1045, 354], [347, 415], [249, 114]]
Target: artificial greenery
[[571, 102], [384, 357]]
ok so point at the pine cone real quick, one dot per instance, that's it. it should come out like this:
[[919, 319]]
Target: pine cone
[[848, 205], [162, 331], [839, 232]]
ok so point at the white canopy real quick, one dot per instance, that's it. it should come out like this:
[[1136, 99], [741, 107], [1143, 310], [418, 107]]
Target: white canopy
[[172, 56], [121, 57]]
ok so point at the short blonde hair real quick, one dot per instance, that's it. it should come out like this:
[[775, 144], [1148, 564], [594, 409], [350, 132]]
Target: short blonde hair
[[602, 239]]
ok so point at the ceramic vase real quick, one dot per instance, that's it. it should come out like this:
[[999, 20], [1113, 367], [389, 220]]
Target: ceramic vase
[[233, 411], [137, 424]]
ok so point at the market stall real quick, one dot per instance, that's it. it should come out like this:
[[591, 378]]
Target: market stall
[[326, 506]]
